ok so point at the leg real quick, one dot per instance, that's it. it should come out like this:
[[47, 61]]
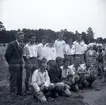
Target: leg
[[90, 80], [61, 88], [28, 72], [19, 81], [39, 95], [13, 79]]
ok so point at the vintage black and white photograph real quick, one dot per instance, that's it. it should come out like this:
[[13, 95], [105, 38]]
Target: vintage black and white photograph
[[52, 52]]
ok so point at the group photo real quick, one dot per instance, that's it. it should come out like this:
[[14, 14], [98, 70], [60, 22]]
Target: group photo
[[40, 64]]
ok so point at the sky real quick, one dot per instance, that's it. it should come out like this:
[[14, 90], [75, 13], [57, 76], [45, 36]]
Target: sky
[[55, 14]]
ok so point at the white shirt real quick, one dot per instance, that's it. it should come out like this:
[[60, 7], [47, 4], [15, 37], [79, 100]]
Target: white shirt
[[68, 50], [42, 51], [59, 45], [81, 67], [66, 72], [30, 50], [51, 53], [80, 48], [39, 78]]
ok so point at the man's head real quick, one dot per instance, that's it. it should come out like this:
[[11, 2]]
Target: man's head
[[44, 40], [60, 35], [79, 37], [51, 42], [66, 63], [20, 36], [32, 38], [70, 41], [59, 61], [77, 61], [43, 64]]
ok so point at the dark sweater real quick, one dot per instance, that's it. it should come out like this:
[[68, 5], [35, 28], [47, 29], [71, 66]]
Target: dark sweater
[[55, 74]]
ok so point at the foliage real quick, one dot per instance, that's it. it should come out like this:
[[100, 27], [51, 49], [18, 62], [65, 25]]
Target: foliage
[[8, 36]]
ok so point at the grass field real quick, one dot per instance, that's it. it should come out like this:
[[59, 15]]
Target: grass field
[[5, 98]]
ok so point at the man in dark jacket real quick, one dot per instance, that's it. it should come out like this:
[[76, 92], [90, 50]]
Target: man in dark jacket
[[14, 58], [55, 74]]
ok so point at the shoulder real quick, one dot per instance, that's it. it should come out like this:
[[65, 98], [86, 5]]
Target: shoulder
[[75, 42], [63, 42], [26, 45], [61, 67], [35, 72], [83, 66], [11, 43], [71, 66]]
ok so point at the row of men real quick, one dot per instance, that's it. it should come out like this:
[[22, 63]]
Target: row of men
[[33, 57]]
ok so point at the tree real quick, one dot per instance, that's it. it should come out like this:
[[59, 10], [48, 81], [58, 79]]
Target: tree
[[90, 34], [84, 37]]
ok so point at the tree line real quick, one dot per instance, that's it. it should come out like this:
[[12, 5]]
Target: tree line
[[88, 36]]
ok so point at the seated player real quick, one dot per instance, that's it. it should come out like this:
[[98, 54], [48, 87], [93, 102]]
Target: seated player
[[80, 71], [41, 82], [100, 60], [55, 74], [30, 58], [68, 75], [90, 55], [91, 75]]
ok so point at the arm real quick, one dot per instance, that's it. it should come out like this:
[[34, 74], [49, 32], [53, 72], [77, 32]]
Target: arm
[[47, 82], [8, 53], [25, 53], [34, 82]]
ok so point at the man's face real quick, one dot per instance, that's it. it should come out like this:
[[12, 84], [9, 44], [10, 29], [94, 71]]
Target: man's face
[[70, 42], [79, 37], [32, 39], [77, 61], [66, 63], [60, 37], [52, 43], [20, 38], [44, 41], [43, 66], [59, 63]]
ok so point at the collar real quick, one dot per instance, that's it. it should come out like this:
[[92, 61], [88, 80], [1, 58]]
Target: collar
[[17, 42]]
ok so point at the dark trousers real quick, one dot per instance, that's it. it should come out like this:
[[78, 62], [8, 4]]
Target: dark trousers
[[90, 80], [16, 80], [31, 65]]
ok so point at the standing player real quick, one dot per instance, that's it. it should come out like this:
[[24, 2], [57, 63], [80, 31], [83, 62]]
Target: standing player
[[30, 57]]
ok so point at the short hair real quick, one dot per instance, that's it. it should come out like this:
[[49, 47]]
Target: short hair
[[44, 37], [42, 61], [51, 40], [58, 59], [65, 59], [31, 35], [20, 33]]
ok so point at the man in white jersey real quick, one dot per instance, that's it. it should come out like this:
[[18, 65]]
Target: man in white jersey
[[30, 57], [42, 49], [69, 51], [80, 48], [51, 50], [41, 82], [59, 45]]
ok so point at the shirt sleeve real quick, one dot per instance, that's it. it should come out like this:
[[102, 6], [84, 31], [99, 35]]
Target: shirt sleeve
[[71, 71], [34, 82], [26, 52], [47, 82], [65, 49]]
